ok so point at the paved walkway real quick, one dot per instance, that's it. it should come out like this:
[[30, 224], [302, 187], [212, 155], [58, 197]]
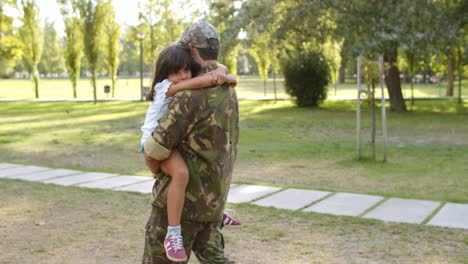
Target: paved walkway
[[452, 215]]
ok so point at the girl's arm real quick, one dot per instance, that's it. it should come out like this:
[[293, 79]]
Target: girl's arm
[[216, 77]]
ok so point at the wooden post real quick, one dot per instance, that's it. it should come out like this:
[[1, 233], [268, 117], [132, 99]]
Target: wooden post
[[384, 116], [358, 107]]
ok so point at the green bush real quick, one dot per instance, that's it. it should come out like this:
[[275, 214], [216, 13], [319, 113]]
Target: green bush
[[306, 75]]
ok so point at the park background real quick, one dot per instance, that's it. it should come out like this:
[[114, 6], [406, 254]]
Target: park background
[[46, 123]]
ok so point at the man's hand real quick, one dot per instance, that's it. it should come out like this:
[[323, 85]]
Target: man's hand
[[231, 80], [219, 77], [152, 164]]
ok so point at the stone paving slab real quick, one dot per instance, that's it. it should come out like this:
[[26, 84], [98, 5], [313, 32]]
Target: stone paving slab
[[8, 165], [23, 170], [142, 187], [247, 193], [45, 175], [80, 178], [345, 204], [115, 182], [451, 215], [292, 199], [403, 210]]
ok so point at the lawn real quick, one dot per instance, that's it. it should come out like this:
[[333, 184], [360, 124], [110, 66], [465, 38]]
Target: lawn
[[44, 224], [280, 145], [249, 87]]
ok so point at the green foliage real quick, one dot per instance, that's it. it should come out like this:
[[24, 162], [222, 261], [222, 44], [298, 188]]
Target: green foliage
[[112, 44], [92, 14], [331, 51], [52, 57], [32, 40], [306, 76], [161, 25], [73, 44], [9, 42], [129, 55], [230, 61], [224, 15], [259, 51]]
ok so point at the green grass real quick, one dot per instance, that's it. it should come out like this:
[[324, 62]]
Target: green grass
[[249, 87], [280, 145], [62, 88]]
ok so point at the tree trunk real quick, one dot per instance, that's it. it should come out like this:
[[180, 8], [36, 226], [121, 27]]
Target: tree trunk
[[274, 86], [392, 81], [374, 118], [450, 75], [345, 49], [74, 82], [36, 82], [113, 78], [93, 80], [342, 71], [460, 75]]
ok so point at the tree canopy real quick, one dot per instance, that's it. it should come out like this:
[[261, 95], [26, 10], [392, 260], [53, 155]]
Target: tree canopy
[[415, 36]]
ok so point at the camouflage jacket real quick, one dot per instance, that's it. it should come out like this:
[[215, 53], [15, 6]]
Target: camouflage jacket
[[203, 124]]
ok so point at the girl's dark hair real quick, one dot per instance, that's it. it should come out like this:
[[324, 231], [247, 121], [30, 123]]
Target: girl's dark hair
[[171, 60]]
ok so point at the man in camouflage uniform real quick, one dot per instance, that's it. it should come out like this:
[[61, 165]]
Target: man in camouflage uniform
[[204, 126]]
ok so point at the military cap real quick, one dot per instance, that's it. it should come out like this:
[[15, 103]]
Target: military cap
[[200, 35]]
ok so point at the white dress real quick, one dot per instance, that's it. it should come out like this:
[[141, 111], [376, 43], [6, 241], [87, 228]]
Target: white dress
[[156, 110]]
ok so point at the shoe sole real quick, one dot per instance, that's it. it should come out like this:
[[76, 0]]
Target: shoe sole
[[175, 259]]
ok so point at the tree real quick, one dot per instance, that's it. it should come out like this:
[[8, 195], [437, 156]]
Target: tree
[[151, 24], [92, 15], [52, 58], [345, 55], [73, 43], [450, 16], [129, 60], [418, 37], [228, 18], [259, 50], [374, 28], [9, 42], [306, 75], [112, 44], [32, 41], [262, 24]]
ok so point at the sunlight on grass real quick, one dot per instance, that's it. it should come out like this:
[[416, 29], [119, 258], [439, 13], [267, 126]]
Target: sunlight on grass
[[252, 107], [248, 87], [17, 209], [280, 144]]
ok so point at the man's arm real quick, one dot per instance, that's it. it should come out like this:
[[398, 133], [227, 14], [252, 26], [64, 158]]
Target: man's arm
[[174, 125], [216, 77]]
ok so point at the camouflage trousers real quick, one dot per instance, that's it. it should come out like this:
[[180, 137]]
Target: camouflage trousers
[[205, 239]]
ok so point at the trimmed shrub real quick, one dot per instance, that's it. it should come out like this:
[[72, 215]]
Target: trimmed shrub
[[306, 75]]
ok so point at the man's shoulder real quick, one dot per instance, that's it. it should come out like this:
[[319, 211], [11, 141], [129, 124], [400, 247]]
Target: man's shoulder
[[207, 91], [189, 93]]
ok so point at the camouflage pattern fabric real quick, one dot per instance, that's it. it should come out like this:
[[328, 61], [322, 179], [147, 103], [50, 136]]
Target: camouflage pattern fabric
[[200, 35], [203, 125], [205, 239]]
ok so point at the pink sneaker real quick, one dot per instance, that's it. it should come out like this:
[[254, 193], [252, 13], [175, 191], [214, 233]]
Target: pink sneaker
[[229, 221], [174, 248]]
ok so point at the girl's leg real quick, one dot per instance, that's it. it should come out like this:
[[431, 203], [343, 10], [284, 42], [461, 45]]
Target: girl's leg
[[175, 167]]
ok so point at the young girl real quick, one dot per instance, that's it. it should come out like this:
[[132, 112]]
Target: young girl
[[174, 70]]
